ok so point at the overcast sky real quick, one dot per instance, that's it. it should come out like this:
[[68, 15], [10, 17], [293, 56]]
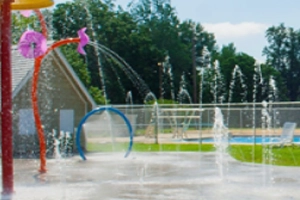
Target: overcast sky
[[242, 22]]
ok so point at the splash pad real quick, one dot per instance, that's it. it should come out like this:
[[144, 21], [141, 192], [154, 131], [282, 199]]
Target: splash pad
[[151, 175]]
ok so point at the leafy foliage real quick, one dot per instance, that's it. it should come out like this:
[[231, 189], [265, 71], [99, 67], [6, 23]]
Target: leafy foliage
[[283, 55], [147, 34]]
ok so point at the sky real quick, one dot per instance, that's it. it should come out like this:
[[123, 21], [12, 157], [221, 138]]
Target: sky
[[242, 22]]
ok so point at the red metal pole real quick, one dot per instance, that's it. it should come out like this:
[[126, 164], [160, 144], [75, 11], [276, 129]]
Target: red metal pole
[[6, 100], [34, 98], [42, 22], [38, 122]]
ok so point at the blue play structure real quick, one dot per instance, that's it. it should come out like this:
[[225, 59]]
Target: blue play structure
[[97, 110]]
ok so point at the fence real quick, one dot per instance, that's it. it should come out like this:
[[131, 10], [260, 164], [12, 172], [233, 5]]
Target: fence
[[239, 118]]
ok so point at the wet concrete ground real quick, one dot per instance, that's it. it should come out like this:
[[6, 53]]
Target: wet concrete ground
[[178, 176]]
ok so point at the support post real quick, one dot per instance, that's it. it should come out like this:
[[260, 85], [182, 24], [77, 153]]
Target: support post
[[6, 100], [194, 68], [160, 74], [156, 124]]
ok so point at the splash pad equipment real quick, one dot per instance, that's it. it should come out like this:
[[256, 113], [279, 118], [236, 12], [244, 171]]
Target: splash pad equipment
[[99, 110], [6, 84], [31, 4], [37, 118], [32, 44]]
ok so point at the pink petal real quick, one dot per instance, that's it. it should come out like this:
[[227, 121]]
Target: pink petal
[[32, 44], [26, 13], [81, 50], [84, 40]]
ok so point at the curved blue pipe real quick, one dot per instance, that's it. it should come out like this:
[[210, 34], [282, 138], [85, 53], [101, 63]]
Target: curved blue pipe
[[101, 109]]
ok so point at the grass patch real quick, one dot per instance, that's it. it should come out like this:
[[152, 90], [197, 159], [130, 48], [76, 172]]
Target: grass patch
[[285, 156], [142, 147]]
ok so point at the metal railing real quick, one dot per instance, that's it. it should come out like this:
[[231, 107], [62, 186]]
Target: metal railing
[[239, 118]]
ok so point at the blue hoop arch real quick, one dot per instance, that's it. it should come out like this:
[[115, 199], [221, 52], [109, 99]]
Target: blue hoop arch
[[101, 109]]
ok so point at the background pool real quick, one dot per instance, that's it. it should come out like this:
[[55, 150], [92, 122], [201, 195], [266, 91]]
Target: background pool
[[249, 139]]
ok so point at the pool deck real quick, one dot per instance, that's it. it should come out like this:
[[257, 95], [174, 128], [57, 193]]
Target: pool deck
[[191, 134]]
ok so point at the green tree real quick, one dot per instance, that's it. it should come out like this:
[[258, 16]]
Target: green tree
[[283, 55], [241, 85], [242, 88], [157, 25], [143, 37], [194, 39], [117, 31], [182, 42]]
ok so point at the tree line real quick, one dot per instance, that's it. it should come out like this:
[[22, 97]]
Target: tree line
[[164, 55]]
